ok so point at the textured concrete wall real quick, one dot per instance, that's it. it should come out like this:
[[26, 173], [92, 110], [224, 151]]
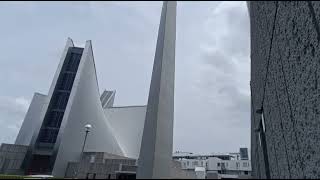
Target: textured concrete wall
[[285, 75], [157, 141], [11, 158], [31, 120], [101, 169]]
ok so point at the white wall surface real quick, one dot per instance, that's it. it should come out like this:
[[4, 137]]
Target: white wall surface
[[84, 107], [31, 120], [192, 163], [236, 165], [127, 124]]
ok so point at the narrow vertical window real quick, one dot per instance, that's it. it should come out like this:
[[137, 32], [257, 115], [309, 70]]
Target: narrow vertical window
[[263, 123], [259, 136]]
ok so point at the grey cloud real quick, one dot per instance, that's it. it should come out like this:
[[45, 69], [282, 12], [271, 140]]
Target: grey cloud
[[229, 28], [12, 110], [219, 61], [219, 77]]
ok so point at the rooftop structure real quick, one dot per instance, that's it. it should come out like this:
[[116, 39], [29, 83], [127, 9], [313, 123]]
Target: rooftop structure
[[227, 165]]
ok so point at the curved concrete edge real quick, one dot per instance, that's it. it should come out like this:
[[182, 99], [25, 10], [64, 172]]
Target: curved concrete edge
[[84, 106]]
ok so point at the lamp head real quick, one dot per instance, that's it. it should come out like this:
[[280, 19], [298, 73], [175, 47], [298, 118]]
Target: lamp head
[[259, 111], [88, 127]]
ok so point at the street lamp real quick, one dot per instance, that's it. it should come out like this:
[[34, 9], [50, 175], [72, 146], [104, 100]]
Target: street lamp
[[87, 128]]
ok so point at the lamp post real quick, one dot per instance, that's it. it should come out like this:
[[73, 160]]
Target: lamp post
[[87, 128]]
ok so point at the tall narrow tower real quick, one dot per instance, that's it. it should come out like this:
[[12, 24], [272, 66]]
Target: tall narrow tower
[[156, 147]]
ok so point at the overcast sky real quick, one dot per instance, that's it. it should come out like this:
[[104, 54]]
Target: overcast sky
[[212, 94]]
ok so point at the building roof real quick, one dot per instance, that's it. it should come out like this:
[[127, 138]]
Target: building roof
[[188, 155]]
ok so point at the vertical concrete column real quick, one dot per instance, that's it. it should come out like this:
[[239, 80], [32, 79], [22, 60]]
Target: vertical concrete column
[[156, 147]]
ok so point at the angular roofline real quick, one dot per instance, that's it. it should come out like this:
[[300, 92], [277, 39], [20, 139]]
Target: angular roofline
[[40, 94], [127, 106]]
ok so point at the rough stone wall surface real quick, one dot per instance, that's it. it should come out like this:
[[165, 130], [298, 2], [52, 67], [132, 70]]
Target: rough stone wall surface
[[285, 81], [101, 170]]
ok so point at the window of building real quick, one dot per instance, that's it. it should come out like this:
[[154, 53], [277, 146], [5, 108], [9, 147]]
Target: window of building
[[259, 136], [246, 172], [244, 164], [48, 135], [187, 163], [13, 164], [195, 163], [58, 102], [263, 123], [218, 164], [92, 158], [10, 162], [65, 82], [73, 62], [262, 139], [18, 162], [54, 119]]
